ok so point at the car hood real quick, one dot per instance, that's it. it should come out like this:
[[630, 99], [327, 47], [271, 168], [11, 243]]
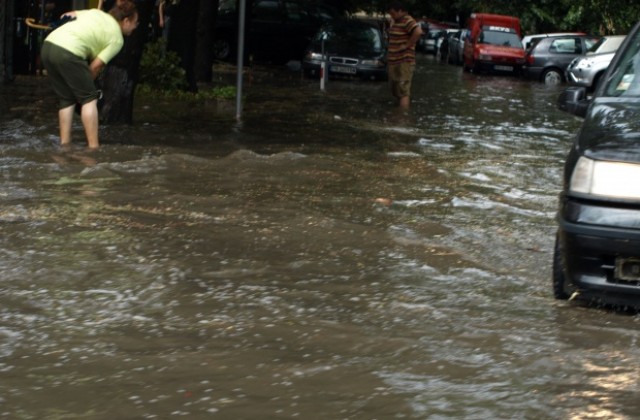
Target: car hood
[[350, 50], [611, 130], [598, 57]]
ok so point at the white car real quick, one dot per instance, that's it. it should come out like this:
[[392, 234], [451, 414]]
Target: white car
[[456, 46], [586, 70], [429, 41], [445, 34]]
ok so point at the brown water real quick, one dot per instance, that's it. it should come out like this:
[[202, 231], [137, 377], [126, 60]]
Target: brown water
[[327, 258]]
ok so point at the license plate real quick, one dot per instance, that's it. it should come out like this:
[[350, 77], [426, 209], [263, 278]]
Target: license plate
[[627, 269], [504, 68], [343, 69]]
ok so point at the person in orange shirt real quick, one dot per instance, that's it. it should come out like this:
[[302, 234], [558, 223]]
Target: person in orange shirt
[[404, 33]]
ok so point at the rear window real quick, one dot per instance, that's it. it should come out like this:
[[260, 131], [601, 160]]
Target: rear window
[[566, 46]]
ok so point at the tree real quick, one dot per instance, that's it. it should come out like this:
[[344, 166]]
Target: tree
[[204, 53], [6, 41]]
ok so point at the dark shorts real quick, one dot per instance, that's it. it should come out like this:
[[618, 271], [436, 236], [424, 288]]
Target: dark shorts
[[69, 75], [400, 77]]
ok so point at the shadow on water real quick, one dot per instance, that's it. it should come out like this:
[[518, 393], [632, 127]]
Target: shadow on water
[[328, 257]]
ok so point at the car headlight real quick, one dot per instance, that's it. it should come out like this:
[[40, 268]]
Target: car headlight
[[605, 179], [373, 63], [484, 57], [315, 56]]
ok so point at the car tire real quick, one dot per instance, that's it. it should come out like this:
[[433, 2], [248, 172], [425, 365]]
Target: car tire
[[222, 49], [552, 77], [560, 286]]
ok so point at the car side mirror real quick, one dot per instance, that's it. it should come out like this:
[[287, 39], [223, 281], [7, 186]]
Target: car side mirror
[[574, 101]]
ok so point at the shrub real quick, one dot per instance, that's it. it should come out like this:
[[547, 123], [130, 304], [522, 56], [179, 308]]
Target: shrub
[[161, 75], [160, 69]]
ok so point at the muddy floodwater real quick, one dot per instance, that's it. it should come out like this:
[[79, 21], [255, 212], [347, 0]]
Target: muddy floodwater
[[327, 257]]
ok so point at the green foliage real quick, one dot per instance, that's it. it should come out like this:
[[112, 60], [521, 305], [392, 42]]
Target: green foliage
[[161, 76], [160, 69], [598, 17], [223, 92]]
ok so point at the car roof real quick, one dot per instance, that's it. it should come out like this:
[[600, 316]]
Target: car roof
[[539, 41], [529, 41], [550, 34]]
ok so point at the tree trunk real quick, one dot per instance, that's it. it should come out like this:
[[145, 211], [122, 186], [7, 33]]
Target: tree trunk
[[120, 77], [182, 38], [6, 40], [204, 54]]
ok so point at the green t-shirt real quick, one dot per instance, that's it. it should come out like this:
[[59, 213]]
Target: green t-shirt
[[93, 34]]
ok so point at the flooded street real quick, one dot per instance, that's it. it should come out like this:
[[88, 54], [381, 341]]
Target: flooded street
[[329, 257]]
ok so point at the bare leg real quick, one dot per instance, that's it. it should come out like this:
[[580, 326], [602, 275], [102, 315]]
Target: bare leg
[[89, 116], [404, 102], [65, 115]]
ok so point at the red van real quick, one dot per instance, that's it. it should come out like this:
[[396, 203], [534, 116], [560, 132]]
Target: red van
[[493, 44]]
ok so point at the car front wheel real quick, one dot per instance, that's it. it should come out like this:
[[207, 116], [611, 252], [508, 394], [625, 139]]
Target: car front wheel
[[552, 77], [559, 279]]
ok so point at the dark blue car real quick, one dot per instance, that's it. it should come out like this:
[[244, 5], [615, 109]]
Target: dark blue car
[[597, 253], [352, 49]]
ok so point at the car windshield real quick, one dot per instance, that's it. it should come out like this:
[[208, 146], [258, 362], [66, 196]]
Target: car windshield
[[605, 44], [434, 33], [356, 37], [505, 39], [625, 76]]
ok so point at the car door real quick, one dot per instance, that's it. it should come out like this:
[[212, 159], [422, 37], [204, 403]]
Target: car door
[[563, 50], [266, 30], [454, 47]]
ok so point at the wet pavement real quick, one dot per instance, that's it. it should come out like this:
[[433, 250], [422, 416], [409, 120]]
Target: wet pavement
[[328, 257]]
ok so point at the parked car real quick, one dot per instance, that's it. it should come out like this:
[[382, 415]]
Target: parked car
[[444, 35], [421, 45], [529, 41], [276, 31], [597, 252], [587, 69], [493, 44], [456, 46], [430, 41], [549, 58], [352, 48]]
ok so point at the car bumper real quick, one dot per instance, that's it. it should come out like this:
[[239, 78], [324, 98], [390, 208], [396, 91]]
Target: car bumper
[[312, 68], [493, 67], [601, 251], [576, 78]]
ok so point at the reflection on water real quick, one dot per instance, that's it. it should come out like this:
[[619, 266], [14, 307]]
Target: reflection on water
[[329, 257]]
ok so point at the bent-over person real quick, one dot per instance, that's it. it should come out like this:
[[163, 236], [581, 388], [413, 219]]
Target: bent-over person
[[74, 55]]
